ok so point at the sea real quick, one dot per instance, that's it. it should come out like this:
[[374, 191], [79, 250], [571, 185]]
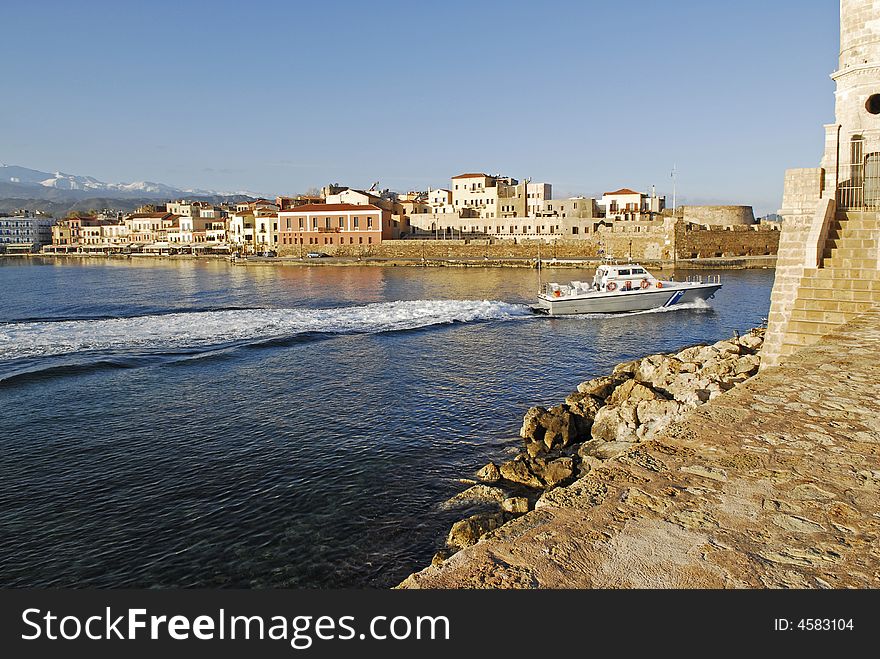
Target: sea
[[181, 423]]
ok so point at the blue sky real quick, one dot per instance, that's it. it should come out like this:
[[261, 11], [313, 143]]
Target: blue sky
[[278, 97]]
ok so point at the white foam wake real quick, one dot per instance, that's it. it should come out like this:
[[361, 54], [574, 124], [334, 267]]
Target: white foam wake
[[209, 328]]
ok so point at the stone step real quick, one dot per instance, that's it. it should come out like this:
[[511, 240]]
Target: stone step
[[829, 317], [850, 264], [848, 252], [859, 223], [851, 243], [811, 327], [841, 283], [844, 295], [832, 304], [852, 235]]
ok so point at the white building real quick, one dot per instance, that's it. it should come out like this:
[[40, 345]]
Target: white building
[[25, 234]]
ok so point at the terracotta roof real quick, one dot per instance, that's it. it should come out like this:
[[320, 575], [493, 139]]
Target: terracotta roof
[[623, 191], [470, 176], [317, 208]]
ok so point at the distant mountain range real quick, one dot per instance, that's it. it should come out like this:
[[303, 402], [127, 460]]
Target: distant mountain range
[[21, 187]]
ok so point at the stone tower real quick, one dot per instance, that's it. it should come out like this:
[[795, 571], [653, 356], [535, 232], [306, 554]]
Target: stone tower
[[827, 265]]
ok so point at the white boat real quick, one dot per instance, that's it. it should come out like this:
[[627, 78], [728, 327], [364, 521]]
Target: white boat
[[618, 288]]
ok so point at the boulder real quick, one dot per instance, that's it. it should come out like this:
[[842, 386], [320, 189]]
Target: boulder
[[560, 427], [468, 531], [689, 354], [516, 505], [634, 391], [535, 449], [555, 427], [489, 473], [599, 387], [658, 370], [583, 404], [558, 471], [706, 354], [752, 341], [476, 494], [655, 410], [516, 471], [747, 364], [626, 369], [615, 423], [531, 427], [727, 347]]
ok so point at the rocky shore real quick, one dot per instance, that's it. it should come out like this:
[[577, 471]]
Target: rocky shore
[[604, 418]]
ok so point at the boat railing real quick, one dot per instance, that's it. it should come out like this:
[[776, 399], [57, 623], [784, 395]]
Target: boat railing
[[699, 279]]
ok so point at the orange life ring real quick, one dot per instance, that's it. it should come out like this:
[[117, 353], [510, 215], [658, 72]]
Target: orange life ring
[[659, 284], [557, 293], [611, 286], [644, 283]]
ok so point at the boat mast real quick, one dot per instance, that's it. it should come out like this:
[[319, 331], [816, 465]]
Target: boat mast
[[540, 284]]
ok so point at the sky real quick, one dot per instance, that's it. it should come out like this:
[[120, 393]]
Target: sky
[[281, 96]]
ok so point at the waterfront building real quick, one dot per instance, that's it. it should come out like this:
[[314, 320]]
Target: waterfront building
[[315, 226], [266, 231], [242, 230], [626, 204], [440, 201], [23, 233]]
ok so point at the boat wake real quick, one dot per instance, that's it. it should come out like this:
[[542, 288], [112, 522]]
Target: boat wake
[[196, 331]]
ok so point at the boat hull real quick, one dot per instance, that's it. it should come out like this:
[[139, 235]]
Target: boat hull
[[626, 301]]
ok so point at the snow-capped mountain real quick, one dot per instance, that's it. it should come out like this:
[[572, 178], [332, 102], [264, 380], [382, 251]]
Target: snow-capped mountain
[[26, 177]]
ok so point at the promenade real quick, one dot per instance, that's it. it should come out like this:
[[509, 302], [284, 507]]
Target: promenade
[[775, 484]]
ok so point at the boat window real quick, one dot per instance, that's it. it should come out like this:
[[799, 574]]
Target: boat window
[[623, 273], [639, 271]]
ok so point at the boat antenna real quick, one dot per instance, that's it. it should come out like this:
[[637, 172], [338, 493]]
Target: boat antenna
[[540, 284]]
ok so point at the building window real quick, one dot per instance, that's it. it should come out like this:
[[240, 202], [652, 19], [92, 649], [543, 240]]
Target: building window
[[355, 222], [327, 223], [369, 222], [300, 224]]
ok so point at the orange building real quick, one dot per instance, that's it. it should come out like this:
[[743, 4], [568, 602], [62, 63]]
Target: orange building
[[324, 225]]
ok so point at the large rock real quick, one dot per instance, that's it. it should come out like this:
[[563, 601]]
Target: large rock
[[752, 341], [555, 427], [468, 531], [599, 387], [531, 427], [516, 505], [653, 410], [560, 427], [626, 369], [489, 473], [658, 370], [706, 354], [584, 405], [616, 422], [690, 354], [727, 348], [558, 471], [633, 391], [475, 494], [747, 364], [516, 471]]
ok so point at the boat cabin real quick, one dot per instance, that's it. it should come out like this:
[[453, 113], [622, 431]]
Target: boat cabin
[[624, 277]]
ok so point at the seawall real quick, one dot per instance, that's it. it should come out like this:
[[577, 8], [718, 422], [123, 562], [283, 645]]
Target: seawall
[[774, 484]]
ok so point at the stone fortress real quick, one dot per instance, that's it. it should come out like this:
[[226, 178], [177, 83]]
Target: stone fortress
[[827, 265]]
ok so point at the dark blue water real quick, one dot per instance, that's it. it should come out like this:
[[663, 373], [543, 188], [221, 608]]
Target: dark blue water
[[200, 424]]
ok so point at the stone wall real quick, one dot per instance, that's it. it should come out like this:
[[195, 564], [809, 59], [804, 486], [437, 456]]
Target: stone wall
[[648, 241], [695, 242], [718, 215]]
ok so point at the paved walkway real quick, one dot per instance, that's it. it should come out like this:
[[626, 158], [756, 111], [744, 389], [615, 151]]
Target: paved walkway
[[775, 484]]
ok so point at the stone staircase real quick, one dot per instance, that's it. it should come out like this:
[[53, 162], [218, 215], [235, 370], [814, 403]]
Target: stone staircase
[[846, 283]]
